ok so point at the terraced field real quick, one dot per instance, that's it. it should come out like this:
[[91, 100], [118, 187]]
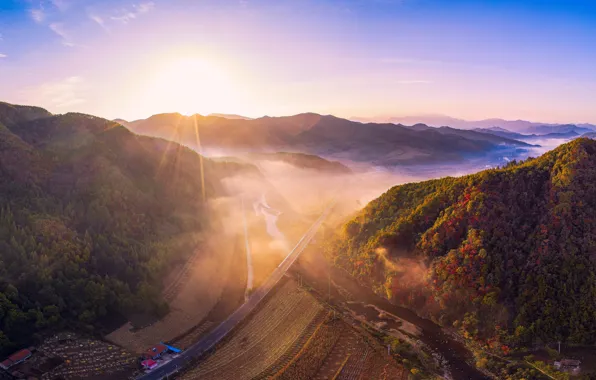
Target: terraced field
[[347, 345], [336, 351], [262, 341], [376, 367], [354, 358], [306, 364]]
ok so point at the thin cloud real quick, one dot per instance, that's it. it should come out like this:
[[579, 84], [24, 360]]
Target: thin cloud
[[3, 55], [61, 5], [37, 15], [99, 21], [125, 15], [58, 28], [59, 94], [144, 7]]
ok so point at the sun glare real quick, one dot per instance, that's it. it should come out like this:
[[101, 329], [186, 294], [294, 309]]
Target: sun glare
[[191, 85]]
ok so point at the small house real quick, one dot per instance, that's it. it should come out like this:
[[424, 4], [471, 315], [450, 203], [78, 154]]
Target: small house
[[149, 364], [16, 358], [156, 352]]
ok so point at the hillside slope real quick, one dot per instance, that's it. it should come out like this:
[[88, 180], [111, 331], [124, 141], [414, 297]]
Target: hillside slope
[[303, 161], [507, 255], [91, 217]]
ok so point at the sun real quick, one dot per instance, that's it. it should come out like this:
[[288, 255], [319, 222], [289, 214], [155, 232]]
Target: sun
[[189, 85]]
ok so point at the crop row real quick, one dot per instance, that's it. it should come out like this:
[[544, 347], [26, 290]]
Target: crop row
[[310, 359], [296, 347], [355, 366], [376, 367], [259, 343]]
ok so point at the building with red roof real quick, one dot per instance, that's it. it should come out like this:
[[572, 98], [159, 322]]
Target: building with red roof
[[149, 364], [6, 364], [16, 358], [156, 351]]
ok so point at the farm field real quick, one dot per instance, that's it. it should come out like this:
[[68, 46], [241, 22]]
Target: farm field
[[313, 354], [338, 351], [191, 295], [264, 339], [84, 358]]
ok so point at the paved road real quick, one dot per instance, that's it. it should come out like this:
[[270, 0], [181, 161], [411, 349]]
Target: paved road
[[215, 336]]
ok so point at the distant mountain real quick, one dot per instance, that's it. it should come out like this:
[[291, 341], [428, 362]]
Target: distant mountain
[[121, 121], [303, 161], [228, 116], [506, 255], [590, 135], [479, 136], [502, 132], [564, 129], [215, 131], [518, 126], [562, 132], [325, 136]]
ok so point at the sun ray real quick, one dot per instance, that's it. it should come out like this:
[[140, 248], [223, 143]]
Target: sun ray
[[200, 156], [170, 140]]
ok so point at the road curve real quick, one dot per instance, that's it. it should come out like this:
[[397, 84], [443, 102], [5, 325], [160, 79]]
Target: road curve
[[215, 336]]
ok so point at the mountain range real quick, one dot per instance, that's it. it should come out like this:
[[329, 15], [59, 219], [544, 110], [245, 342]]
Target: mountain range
[[560, 132], [518, 126], [326, 136]]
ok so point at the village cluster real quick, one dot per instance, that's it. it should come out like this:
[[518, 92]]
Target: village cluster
[[68, 355]]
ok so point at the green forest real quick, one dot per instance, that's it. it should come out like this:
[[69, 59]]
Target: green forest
[[91, 218], [507, 256]]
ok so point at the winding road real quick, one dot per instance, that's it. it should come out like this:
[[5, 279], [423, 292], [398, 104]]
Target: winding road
[[215, 336]]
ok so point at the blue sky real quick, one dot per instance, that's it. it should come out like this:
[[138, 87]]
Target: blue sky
[[470, 59]]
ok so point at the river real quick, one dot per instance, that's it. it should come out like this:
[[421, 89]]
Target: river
[[271, 215], [454, 354]]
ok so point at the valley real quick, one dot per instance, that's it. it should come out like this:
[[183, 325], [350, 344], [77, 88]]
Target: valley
[[297, 190], [271, 281]]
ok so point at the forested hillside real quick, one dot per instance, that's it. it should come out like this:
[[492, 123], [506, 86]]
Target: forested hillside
[[506, 255], [91, 217]]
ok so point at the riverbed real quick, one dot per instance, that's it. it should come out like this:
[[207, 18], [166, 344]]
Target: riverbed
[[346, 292]]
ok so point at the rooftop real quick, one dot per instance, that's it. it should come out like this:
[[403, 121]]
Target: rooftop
[[20, 355]]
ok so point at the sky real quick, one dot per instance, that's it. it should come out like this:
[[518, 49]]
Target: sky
[[530, 59]]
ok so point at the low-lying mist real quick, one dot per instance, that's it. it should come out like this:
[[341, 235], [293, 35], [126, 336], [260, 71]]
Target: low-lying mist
[[270, 211]]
